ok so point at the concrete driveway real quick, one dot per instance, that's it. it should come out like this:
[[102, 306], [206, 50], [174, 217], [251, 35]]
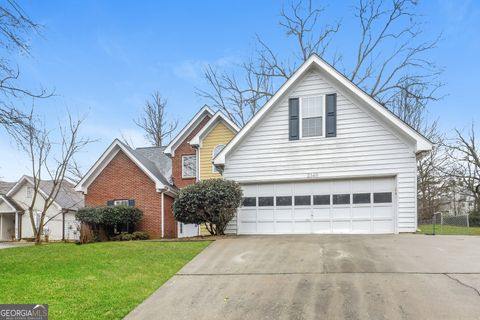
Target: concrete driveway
[[325, 277]]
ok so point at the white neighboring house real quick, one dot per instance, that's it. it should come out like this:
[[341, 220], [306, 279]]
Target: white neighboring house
[[15, 198], [322, 156]]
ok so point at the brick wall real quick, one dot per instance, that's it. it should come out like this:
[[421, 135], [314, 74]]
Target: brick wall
[[185, 149], [122, 179]]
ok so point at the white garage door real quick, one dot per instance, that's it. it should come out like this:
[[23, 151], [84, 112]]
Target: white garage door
[[340, 206]]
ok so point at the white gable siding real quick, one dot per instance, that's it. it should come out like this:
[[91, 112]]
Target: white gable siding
[[363, 147]]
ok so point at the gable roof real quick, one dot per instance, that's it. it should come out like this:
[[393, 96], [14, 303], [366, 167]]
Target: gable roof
[[314, 61], [217, 117], [6, 186], [145, 159], [66, 198], [11, 203], [191, 125]]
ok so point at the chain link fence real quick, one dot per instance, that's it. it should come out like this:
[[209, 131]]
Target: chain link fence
[[442, 223]]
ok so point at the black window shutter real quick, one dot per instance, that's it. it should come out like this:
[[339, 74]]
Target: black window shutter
[[293, 119], [131, 203], [331, 115], [110, 203]]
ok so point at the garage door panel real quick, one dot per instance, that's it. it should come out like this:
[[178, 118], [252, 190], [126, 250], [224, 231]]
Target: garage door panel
[[266, 215], [283, 227], [326, 212], [383, 226], [341, 226], [362, 226], [248, 227], [284, 214], [321, 213], [247, 215], [265, 227], [382, 212], [302, 214], [361, 212], [341, 212]]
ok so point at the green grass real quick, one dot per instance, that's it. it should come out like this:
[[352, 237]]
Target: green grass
[[94, 281], [449, 230]]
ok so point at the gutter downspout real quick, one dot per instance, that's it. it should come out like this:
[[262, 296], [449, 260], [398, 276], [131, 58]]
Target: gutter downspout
[[163, 214]]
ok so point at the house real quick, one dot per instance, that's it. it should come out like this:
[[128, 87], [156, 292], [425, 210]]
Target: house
[[15, 198], [150, 178], [208, 142], [322, 156], [136, 177]]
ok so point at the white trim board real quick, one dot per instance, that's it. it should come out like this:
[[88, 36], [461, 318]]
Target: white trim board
[[105, 159], [219, 116], [170, 149]]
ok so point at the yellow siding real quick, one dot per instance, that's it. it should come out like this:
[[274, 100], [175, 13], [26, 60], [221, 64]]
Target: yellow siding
[[220, 134]]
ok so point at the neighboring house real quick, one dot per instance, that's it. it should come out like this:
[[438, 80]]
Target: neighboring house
[[457, 204], [15, 222], [208, 142], [135, 177], [322, 156]]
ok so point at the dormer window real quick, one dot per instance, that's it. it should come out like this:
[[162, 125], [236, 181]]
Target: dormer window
[[312, 113]]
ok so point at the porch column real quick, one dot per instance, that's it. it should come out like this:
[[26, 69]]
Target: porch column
[[16, 225], [1, 227]]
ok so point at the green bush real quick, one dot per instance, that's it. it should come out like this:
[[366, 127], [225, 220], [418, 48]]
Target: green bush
[[474, 220], [140, 235], [125, 236], [110, 219], [213, 202]]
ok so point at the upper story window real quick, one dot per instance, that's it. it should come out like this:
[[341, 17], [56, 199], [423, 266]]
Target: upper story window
[[189, 166], [312, 113], [29, 192], [215, 152]]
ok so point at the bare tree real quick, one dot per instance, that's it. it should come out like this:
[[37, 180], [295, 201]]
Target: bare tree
[[15, 28], [464, 155], [433, 184], [154, 121], [49, 160], [390, 58]]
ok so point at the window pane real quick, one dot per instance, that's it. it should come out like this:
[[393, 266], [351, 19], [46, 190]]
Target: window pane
[[249, 202], [382, 197], [302, 200], [189, 166], [265, 201], [312, 127], [341, 199], [312, 107], [361, 198], [120, 203], [284, 201], [321, 200]]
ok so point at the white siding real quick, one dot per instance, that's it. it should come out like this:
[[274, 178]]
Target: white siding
[[363, 147], [55, 225]]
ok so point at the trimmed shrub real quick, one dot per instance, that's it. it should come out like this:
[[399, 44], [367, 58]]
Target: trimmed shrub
[[109, 220], [213, 202], [140, 235]]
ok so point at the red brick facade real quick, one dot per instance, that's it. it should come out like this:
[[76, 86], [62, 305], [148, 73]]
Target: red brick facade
[[185, 149], [123, 179]]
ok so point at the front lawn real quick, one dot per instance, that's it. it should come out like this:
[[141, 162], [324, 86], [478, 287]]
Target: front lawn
[[95, 281], [448, 230]]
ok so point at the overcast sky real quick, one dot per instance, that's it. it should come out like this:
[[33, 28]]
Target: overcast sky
[[104, 58]]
